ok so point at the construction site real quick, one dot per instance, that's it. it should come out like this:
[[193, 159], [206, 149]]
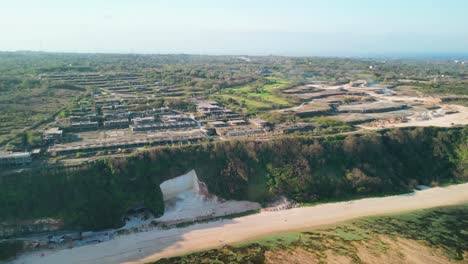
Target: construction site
[[119, 119], [115, 158], [126, 112], [373, 106]]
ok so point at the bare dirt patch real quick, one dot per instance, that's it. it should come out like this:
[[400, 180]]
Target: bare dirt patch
[[399, 250], [298, 256]]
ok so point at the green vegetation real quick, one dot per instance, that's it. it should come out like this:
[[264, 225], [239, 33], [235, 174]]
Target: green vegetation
[[306, 169], [26, 99], [9, 249], [276, 117], [91, 197], [237, 102], [29, 99], [25, 140], [26, 103], [443, 228], [331, 126], [264, 94], [442, 88]]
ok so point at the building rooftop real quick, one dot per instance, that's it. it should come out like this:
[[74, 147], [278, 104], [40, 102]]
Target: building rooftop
[[15, 155], [129, 141], [237, 122], [218, 122], [54, 130]]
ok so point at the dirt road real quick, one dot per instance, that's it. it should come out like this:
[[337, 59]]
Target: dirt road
[[152, 245]]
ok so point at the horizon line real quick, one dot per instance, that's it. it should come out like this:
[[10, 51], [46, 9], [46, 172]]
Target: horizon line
[[384, 55]]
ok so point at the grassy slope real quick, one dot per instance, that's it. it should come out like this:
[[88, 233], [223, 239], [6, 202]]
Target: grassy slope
[[305, 169], [254, 97], [21, 109], [441, 228]]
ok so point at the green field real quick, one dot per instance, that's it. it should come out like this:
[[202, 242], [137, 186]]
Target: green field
[[261, 95], [249, 103]]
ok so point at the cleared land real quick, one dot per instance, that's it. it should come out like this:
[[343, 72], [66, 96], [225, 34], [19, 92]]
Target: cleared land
[[460, 118], [153, 245]]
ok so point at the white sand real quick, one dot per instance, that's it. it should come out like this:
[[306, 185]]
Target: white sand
[[152, 245], [189, 206]]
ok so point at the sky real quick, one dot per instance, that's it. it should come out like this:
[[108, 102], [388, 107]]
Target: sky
[[236, 27]]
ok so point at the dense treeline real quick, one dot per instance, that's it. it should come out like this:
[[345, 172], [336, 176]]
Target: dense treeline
[[303, 168], [9, 249], [92, 197], [310, 170]]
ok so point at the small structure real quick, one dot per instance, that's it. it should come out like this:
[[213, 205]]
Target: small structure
[[212, 110], [36, 152], [83, 118], [218, 124], [143, 120], [80, 126], [166, 125], [239, 131], [156, 139], [116, 115], [15, 158], [52, 135], [121, 123], [244, 132], [238, 122]]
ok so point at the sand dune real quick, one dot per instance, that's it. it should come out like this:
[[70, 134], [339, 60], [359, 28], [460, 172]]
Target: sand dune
[[152, 245]]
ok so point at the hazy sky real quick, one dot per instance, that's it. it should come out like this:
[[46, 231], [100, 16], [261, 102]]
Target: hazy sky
[[290, 27]]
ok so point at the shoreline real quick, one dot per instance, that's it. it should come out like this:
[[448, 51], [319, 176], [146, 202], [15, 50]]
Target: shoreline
[[152, 245]]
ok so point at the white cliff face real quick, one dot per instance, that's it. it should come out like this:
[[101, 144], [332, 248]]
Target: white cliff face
[[187, 199], [187, 182]]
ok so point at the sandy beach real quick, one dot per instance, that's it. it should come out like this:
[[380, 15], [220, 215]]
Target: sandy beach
[[152, 245]]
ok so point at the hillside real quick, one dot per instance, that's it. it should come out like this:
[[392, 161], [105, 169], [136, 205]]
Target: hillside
[[308, 170]]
